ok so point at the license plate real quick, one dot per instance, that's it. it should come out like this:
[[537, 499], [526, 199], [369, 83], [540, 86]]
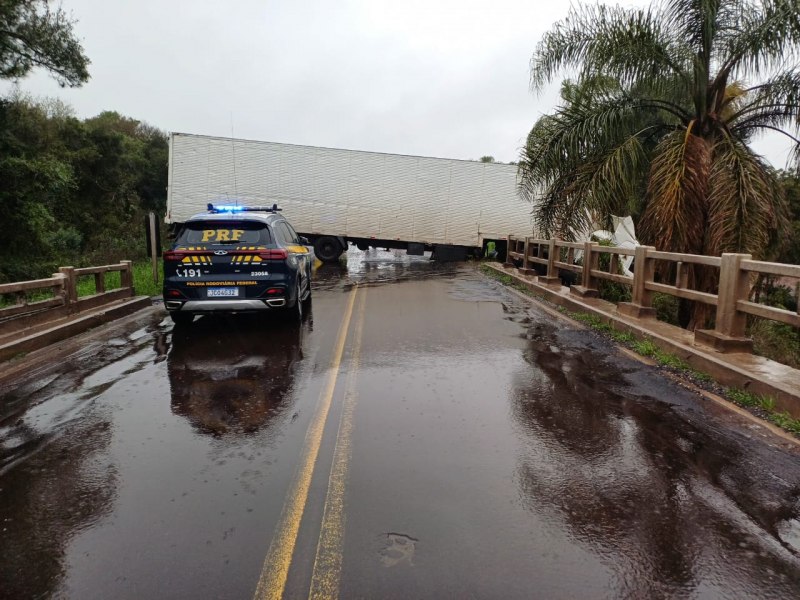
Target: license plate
[[223, 292]]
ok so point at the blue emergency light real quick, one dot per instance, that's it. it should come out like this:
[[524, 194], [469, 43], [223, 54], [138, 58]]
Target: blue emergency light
[[224, 208]]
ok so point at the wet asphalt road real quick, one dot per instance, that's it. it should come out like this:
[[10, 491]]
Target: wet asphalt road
[[424, 434]]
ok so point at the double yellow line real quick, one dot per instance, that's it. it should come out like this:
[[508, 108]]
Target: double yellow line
[[328, 562]]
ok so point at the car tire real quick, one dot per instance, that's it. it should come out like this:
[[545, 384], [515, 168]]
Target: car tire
[[180, 318], [297, 311]]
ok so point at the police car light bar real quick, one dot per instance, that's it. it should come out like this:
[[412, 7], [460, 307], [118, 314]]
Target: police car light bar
[[222, 208]]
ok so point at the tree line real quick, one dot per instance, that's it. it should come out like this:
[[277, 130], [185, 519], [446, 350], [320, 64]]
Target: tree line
[[74, 191]]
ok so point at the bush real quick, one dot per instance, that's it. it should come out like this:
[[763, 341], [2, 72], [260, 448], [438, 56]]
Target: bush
[[666, 308], [777, 341]]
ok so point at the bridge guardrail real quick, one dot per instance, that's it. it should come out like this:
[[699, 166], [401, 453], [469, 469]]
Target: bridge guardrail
[[731, 303], [64, 301]]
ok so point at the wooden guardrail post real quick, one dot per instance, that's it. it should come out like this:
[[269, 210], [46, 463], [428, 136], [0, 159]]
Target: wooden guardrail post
[[641, 304], [100, 282], [734, 285], [728, 334], [70, 285], [591, 261], [62, 287], [551, 259], [526, 244], [552, 277], [508, 262], [526, 258], [126, 276]]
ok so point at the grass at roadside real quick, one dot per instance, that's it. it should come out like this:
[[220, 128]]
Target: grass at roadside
[[762, 406], [142, 280]]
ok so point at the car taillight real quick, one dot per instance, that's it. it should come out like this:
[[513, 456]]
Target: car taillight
[[272, 292], [174, 294], [278, 254], [171, 255]]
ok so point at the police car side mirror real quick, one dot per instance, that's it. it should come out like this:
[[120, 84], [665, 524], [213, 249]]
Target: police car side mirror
[[303, 240]]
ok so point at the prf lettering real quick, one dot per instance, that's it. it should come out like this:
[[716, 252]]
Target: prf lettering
[[222, 235]]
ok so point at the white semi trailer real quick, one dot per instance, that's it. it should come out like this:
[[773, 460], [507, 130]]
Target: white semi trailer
[[332, 196]]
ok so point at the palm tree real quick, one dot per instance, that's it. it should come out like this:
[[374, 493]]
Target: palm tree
[[658, 120]]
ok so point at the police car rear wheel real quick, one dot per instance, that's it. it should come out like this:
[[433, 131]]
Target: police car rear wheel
[[297, 309]]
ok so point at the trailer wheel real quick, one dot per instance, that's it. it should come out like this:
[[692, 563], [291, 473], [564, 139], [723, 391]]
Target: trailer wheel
[[328, 249]]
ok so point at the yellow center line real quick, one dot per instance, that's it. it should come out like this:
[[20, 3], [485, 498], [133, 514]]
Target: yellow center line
[[328, 562], [276, 565]]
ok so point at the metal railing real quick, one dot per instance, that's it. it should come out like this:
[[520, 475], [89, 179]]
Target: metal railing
[[732, 304]]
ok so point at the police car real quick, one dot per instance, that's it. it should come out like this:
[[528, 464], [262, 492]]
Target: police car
[[235, 259]]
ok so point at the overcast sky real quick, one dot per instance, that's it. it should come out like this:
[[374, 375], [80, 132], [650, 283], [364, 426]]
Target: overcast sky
[[439, 78]]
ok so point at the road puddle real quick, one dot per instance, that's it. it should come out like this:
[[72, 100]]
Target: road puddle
[[400, 549]]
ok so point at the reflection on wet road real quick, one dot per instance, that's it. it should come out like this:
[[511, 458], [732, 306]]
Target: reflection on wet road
[[466, 444], [228, 377]]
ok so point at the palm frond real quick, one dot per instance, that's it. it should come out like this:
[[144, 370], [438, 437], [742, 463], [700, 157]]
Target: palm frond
[[587, 157], [746, 204], [774, 103], [760, 37], [627, 45]]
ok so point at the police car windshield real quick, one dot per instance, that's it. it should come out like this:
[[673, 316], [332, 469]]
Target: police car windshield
[[207, 233]]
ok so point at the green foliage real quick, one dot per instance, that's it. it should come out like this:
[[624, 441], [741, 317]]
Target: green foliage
[[789, 246], [742, 397], [766, 404], [786, 421], [777, 341], [622, 337], [700, 376], [657, 123], [32, 34], [592, 321], [674, 362], [74, 192], [143, 278], [645, 347], [666, 308], [487, 159]]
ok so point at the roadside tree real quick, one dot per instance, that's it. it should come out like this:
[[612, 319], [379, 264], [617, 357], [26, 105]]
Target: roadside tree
[[34, 34], [658, 120]]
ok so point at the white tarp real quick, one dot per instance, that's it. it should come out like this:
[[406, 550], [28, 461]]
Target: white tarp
[[623, 236]]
